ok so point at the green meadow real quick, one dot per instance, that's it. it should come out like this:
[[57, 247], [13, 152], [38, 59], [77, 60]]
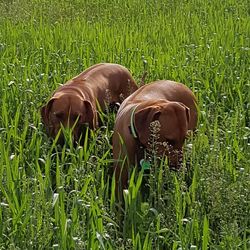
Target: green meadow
[[63, 198]]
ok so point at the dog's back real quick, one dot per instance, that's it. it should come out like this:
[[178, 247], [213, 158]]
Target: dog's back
[[167, 90]]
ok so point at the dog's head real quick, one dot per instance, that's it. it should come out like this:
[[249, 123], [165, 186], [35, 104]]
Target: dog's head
[[69, 111], [171, 130]]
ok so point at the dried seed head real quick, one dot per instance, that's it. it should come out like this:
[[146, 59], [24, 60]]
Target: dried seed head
[[107, 99], [129, 88], [121, 96], [155, 128], [108, 96], [154, 136]]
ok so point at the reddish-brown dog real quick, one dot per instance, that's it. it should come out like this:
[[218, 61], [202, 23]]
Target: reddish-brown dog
[[75, 103], [173, 105]]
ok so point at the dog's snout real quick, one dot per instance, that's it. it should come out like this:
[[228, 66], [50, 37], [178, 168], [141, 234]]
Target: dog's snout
[[175, 159], [61, 140], [175, 166]]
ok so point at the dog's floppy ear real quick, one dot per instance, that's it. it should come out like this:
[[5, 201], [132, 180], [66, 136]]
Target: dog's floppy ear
[[45, 112], [188, 114], [142, 121], [90, 115], [187, 111]]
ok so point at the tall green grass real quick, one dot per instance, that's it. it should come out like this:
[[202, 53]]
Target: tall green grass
[[61, 198]]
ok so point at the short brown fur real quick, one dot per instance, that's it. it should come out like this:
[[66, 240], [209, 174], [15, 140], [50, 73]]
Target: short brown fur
[[172, 104], [103, 83]]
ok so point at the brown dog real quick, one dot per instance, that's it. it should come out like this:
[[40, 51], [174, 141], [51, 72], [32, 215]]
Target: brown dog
[[173, 105], [76, 102]]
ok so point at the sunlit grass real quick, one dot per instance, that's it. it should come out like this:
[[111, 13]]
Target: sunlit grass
[[62, 197]]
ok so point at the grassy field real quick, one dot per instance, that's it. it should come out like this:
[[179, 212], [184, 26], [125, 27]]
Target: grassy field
[[54, 198]]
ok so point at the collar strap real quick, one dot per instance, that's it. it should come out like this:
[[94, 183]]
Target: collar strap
[[132, 123]]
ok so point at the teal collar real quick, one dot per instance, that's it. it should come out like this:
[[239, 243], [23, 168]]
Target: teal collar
[[132, 123]]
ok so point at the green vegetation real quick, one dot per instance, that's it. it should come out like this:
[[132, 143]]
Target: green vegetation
[[54, 198]]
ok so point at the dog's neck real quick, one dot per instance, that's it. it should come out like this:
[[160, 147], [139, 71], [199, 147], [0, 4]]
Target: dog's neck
[[140, 149]]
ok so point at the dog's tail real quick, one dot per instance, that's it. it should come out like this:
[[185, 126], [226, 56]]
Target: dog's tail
[[143, 78]]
